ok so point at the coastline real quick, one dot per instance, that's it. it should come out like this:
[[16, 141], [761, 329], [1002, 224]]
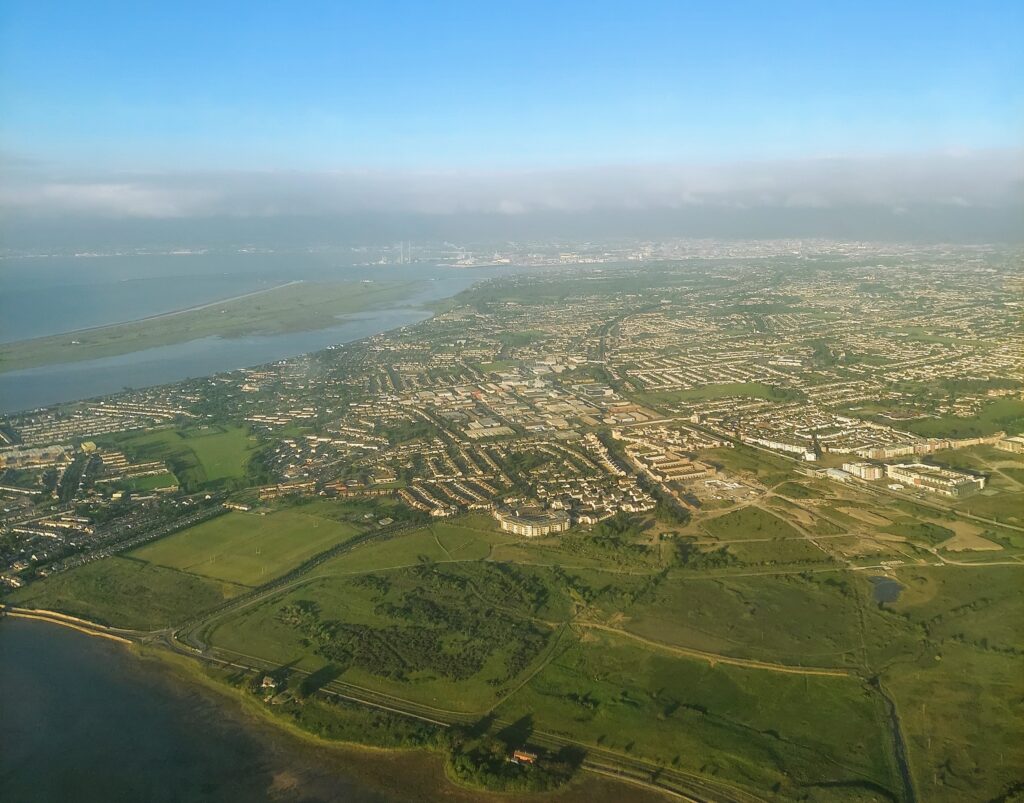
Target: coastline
[[297, 309], [401, 773], [159, 315], [64, 620], [111, 375]]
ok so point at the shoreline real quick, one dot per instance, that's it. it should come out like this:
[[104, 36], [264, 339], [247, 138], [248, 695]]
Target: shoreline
[[63, 620], [59, 340], [431, 308], [157, 316], [382, 768]]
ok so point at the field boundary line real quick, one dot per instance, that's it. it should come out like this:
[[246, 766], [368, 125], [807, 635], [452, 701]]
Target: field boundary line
[[716, 658]]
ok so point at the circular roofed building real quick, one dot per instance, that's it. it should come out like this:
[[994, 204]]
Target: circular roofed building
[[532, 522]]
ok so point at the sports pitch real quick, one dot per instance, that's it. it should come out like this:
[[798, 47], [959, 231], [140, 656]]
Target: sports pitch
[[245, 548]]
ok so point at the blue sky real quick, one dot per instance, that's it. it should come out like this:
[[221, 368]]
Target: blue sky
[[177, 86]]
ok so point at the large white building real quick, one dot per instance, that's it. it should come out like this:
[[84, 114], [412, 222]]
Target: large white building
[[866, 471], [1014, 444], [532, 522], [936, 480]]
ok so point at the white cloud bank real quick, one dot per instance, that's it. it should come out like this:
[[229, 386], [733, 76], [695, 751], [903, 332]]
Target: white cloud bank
[[990, 179]]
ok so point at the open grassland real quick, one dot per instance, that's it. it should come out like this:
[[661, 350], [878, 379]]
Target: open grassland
[[403, 550], [802, 620], [357, 510], [975, 458], [245, 548], [798, 490], [454, 637], [715, 649], [749, 523], [771, 553], [121, 592], [743, 726], [1001, 415], [962, 720], [746, 461], [756, 390], [958, 689], [468, 637], [201, 457], [1007, 508], [299, 306], [755, 536], [981, 608]]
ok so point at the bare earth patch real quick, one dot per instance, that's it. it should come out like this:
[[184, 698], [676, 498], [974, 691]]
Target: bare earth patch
[[964, 542], [802, 517], [865, 516]]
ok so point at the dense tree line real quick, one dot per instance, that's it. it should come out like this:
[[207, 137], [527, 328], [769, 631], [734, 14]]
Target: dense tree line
[[484, 761]]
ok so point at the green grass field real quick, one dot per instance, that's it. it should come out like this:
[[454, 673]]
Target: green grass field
[[373, 595], [126, 593], [154, 482], [749, 523], [750, 727], [959, 695], [454, 637], [1004, 507], [300, 306], [765, 467], [764, 618], [725, 390], [200, 457], [1006, 415], [597, 635], [246, 548], [799, 490]]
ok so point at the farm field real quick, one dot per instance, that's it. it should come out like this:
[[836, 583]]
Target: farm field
[[122, 592], [244, 548]]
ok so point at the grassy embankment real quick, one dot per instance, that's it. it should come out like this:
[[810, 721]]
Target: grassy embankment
[[302, 306], [122, 592]]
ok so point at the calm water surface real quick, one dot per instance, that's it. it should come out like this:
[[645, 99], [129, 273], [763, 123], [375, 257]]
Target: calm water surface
[[51, 295], [54, 384], [885, 589], [83, 720]]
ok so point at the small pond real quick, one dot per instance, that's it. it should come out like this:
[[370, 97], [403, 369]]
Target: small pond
[[885, 589]]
